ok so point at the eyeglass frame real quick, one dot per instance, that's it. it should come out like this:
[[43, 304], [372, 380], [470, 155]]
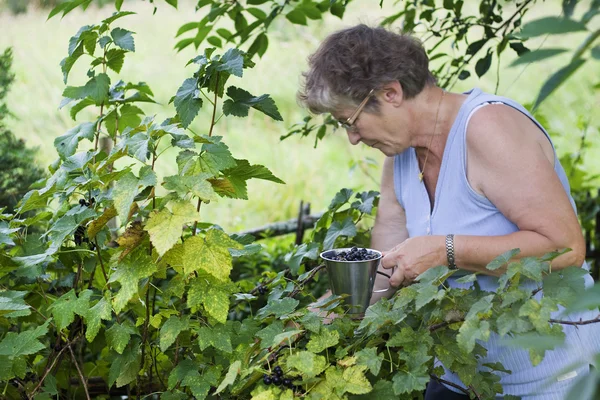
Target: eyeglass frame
[[348, 124]]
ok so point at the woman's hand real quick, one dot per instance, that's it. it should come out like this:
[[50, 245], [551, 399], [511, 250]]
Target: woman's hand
[[413, 257]]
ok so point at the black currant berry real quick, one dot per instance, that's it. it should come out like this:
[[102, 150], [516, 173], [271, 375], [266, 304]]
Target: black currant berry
[[288, 383], [267, 380], [276, 380], [82, 202], [278, 370]]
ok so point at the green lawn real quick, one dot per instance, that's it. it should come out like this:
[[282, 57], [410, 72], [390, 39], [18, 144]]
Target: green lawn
[[313, 175]]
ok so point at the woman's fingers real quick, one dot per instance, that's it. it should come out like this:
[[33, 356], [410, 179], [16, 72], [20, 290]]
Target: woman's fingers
[[397, 277], [389, 261]]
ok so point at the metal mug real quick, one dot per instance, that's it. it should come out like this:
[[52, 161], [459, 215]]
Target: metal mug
[[353, 278]]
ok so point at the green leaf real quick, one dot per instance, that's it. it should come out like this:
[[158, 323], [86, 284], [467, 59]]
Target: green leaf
[[369, 358], [67, 63], [305, 250], [209, 254], [557, 79], [340, 198], [115, 59], [285, 337], [337, 229], [197, 185], [470, 331], [215, 158], [565, 285], [217, 337], [502, 259], [65, 308], [118, 336], [355, 380], [325, 339], [12, 304], [267, 334], [124, 192], [296, 16], [116, 15], [96, 88], [539, 313], [483, 64], [260, 45], [536, 344], [234, 371], [405, 382], [379, 314], [25, 343], [587, 300], [65, 226], [135, 266], [482, 308], [125, 368], [279, 308], [212, 295], [171, 329], [536, 55], [66, 145], [509, 321], [595, 52], [551, 26], [232, 62], [427, 294], [128, 117], [586, 387], [94, 316], [165, 226], [188, 101], [244, 170], [307, 363], [240, 102], [123, 38]]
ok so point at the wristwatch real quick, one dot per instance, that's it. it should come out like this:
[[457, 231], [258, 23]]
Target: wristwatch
[[450, 251]]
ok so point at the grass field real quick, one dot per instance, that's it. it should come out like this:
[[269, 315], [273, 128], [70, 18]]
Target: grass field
[[313, 175]]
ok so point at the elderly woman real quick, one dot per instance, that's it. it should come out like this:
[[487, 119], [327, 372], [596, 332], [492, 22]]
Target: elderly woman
[[467, 177]]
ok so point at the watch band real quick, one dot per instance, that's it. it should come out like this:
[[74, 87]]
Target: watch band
[[450, 251]]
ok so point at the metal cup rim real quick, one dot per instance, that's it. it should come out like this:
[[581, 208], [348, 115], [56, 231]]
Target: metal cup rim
[[348, 249]]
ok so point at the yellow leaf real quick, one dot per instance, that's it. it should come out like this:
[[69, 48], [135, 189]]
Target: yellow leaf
[[165, 226], [210, 254]]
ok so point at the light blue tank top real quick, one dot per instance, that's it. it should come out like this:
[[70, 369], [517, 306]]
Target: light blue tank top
[[458, 209]]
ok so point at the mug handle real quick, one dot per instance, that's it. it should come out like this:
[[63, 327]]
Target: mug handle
[[383, 290]]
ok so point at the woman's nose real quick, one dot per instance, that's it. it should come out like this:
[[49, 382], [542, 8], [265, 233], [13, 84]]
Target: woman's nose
[[353, 136]]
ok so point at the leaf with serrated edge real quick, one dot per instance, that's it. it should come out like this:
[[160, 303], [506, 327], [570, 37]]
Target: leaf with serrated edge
[[165, 226], [210, 254]]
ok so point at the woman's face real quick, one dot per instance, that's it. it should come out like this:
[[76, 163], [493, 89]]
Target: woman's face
[[385, 129]]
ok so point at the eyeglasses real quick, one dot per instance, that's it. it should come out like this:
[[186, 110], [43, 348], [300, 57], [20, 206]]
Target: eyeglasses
[[349, 123]]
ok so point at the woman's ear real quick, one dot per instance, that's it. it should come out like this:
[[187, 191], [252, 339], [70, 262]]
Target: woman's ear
[[392, 93]]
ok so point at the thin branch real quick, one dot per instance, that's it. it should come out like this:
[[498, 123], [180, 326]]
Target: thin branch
[[299, 286], [144, 339], [576, 323], [441, 325], [454, 385], [101, 263], [81, 377], [46, 372]]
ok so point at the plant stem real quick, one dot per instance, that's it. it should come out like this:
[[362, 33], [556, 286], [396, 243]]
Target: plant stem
[[101, 263], [212, 121], [144, 339], [46, 372], [81, 377], [212, 125], [576, 323], [445, 382]]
